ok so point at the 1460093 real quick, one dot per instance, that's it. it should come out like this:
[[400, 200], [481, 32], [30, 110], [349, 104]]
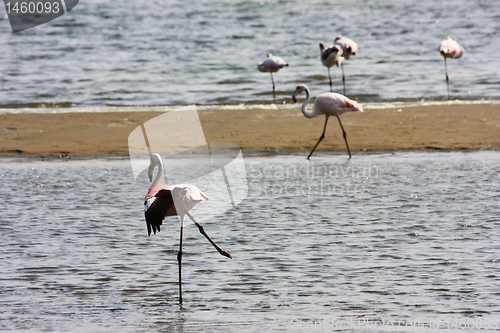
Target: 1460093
[[32, 7]]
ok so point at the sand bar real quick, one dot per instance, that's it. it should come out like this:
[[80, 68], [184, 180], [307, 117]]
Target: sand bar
[[89, 134]]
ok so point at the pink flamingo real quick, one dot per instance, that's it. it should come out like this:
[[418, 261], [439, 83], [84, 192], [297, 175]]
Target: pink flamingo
[[330, 56], [329, 104], [450, 49], [349, 48], [172, 200], [271, 65]]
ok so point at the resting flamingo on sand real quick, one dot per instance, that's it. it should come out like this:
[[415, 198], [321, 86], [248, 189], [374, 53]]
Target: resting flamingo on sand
[[175, 200], [271, 65], [349, 48], [329, 104], [450, 49], [330, 56]]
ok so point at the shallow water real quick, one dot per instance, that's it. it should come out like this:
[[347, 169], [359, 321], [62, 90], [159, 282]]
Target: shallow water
[[406, 238], [106, 54]]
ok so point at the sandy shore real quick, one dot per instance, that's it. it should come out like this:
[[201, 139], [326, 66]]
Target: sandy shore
[[450, 127]]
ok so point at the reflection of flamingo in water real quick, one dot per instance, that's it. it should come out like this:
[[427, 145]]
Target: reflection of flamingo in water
[[450, 49], [271, 65], [165, 200], [329, 104]]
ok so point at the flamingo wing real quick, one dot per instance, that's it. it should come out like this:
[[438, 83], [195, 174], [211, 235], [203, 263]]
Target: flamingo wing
[[278, 62], [190, 195], [328, 52], [161, 199], [193, 193], [348, 46], [334, 104], [450, 49], [156, 207], [331, 56], [272, 64]]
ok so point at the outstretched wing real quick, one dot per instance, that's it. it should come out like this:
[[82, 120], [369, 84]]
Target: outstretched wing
[[156, 207]]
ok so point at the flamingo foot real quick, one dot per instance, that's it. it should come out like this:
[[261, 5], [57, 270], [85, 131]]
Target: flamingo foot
[[226, 254]]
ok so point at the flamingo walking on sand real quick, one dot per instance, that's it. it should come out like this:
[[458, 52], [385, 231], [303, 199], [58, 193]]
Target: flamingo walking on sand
[[329, 104], [450, 49], [271, 65], [331, 56], [172, 200], [349, 48]]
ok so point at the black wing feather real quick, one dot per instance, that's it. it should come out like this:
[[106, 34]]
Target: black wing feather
[[327, 52], [158, 210]]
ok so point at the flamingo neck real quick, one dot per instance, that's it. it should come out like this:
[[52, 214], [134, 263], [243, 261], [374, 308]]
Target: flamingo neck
[[159, 175], [308, 114]]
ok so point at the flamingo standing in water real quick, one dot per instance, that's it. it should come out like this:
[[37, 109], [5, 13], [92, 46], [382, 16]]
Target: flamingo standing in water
[[271, 65], [329, 104], [175, 200], [330, 56], [349, 48], [450, 49]]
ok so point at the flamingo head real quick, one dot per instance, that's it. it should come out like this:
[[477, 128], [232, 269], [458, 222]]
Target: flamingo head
[[300, 89], [154, 161]]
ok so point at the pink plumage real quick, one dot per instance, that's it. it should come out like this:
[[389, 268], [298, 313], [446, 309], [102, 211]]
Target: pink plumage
[[170, 200], [349, 47], [162, 200], [450, 49], [342, 48], [271, 65], [328, 104]]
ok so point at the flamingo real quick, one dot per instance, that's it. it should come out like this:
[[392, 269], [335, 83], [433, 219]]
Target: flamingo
[[172, 200], [271, 65], [329, 104], [349, 48], [450, 49], [330, 56]]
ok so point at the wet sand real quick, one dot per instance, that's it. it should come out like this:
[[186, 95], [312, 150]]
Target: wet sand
[[448, 127]]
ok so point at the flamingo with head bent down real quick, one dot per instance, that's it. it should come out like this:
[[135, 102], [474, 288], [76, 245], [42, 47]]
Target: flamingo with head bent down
[[349, 48], [271, 65], [450, 49], [172, 200]]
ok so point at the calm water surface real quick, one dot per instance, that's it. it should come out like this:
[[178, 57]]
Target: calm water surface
[[404, 238], [106, 54]]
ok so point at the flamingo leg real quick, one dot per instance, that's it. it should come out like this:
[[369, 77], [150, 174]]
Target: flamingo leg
[[202, 231], [179, 260], [274, 93], [343, 76], [345, 137], [447, 79], [331, 86], [320, 138]]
